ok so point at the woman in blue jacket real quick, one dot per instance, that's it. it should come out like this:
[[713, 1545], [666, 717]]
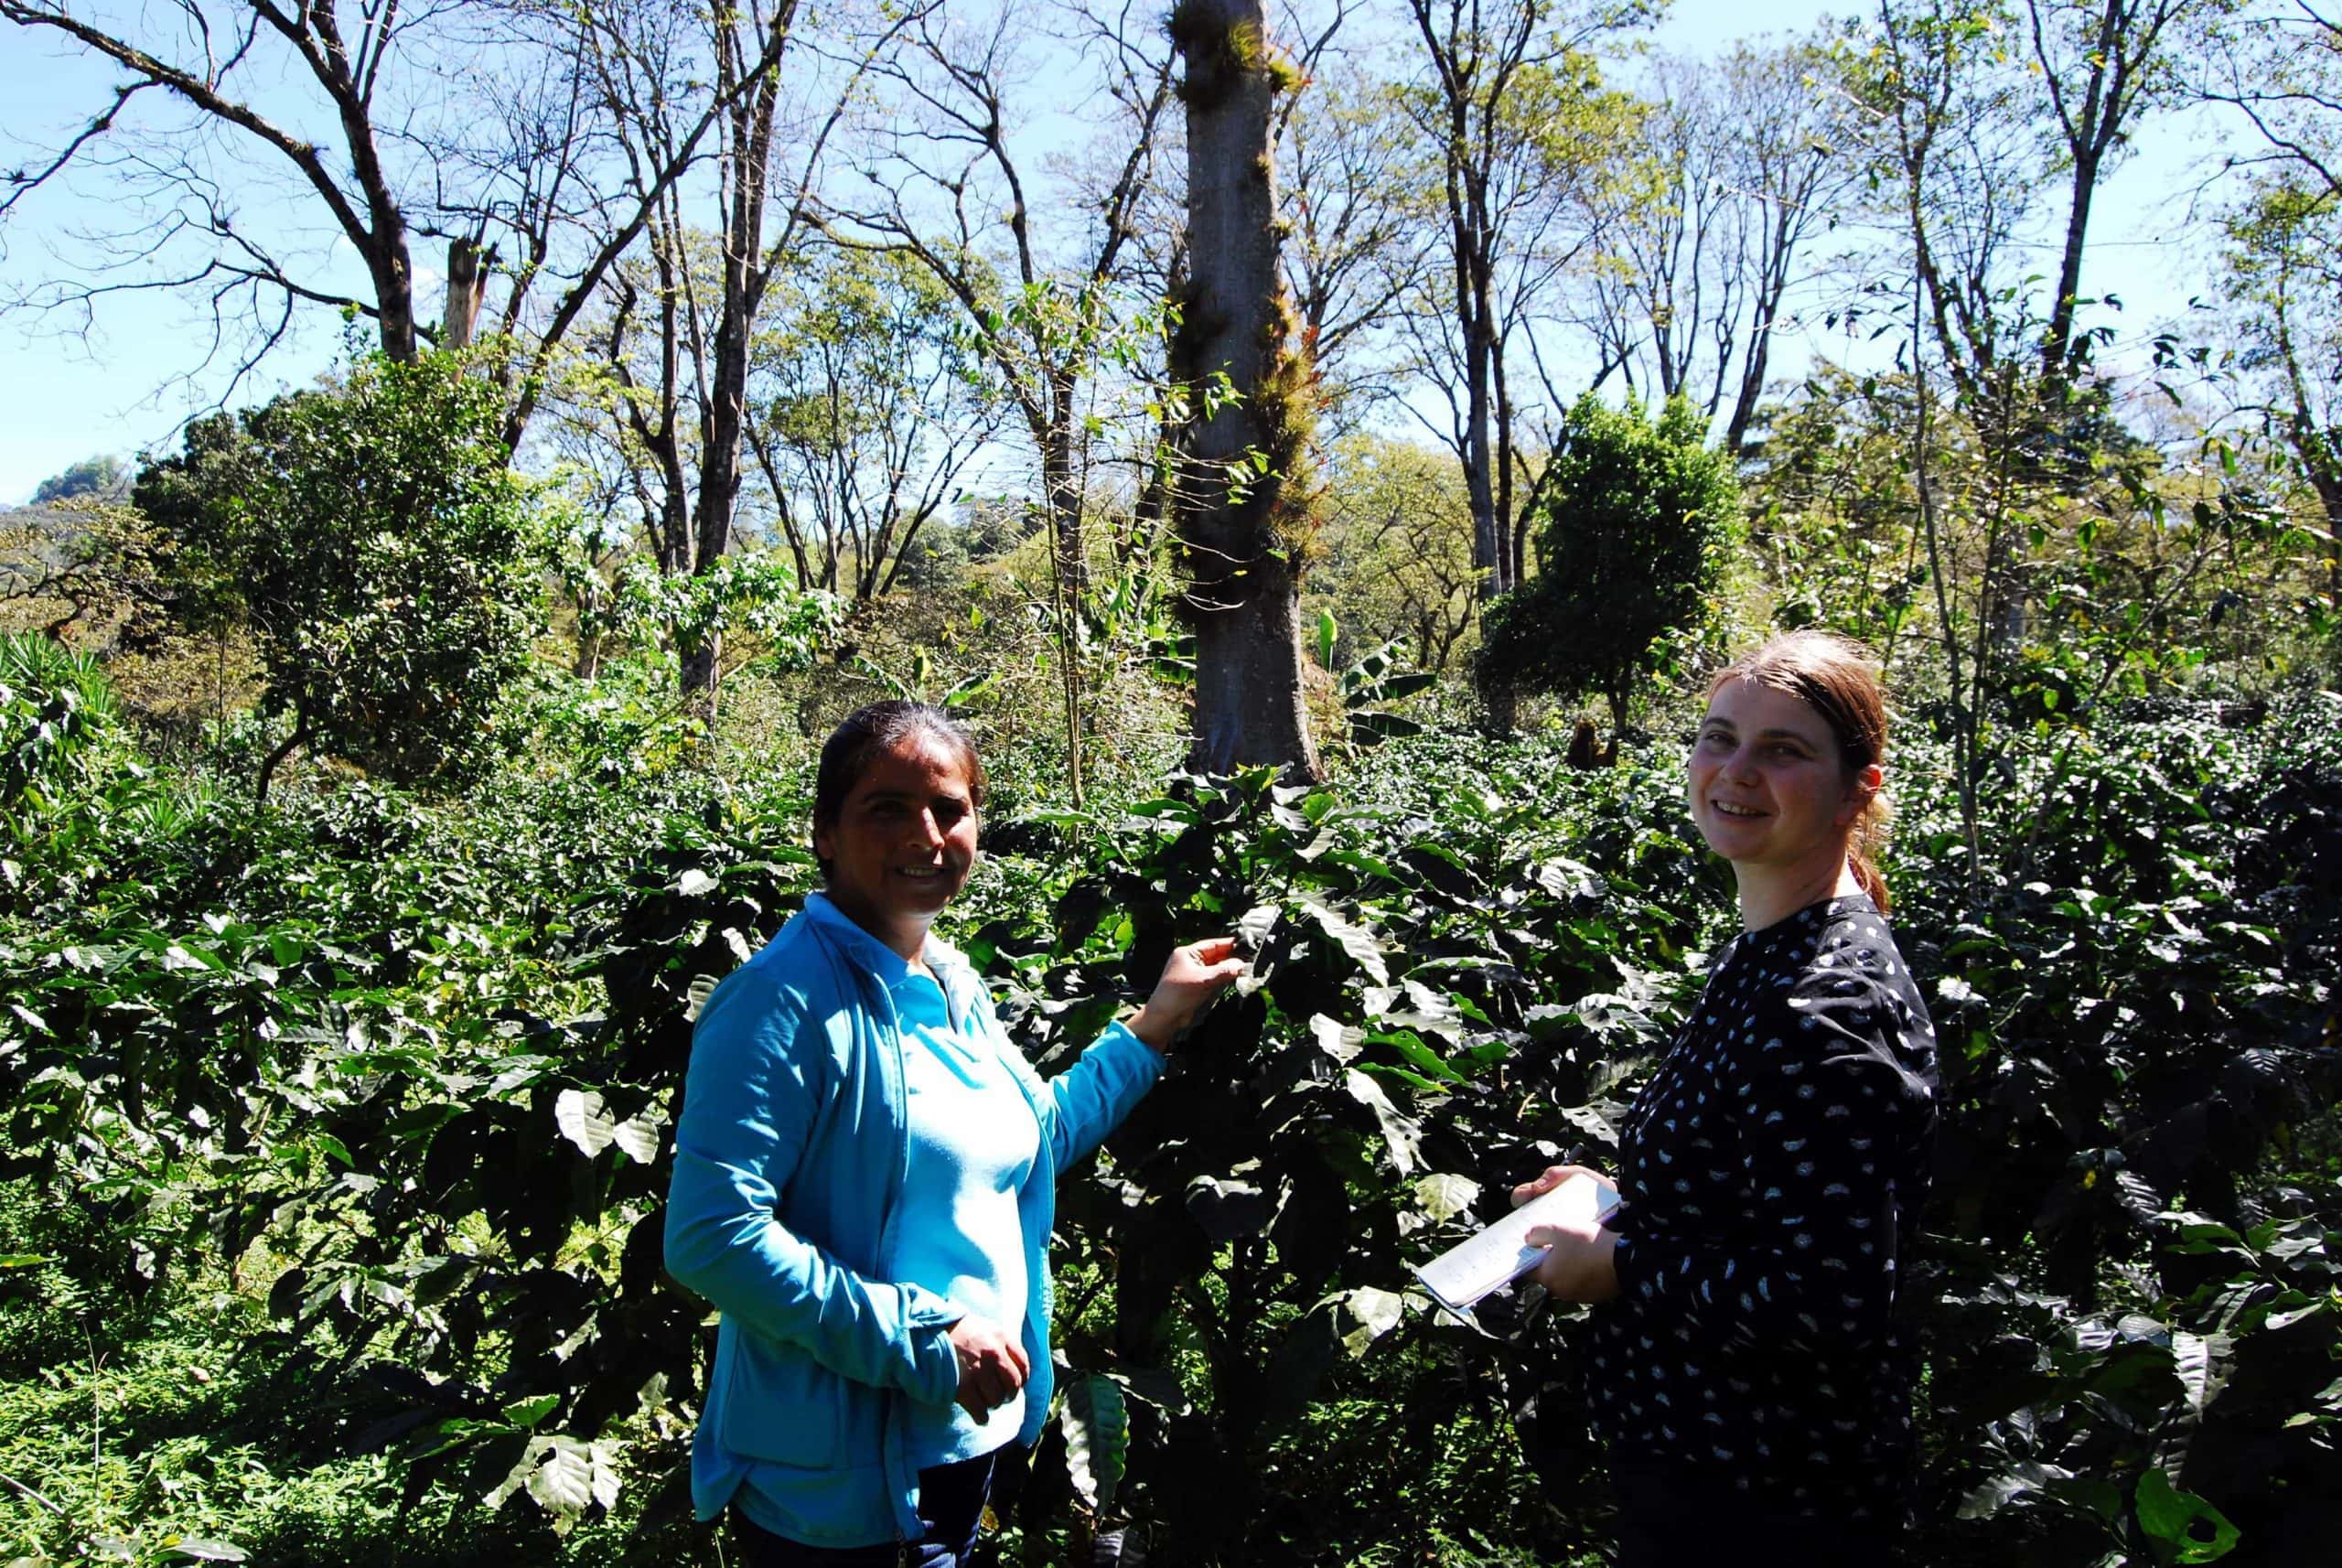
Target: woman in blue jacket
[[864, 1179]]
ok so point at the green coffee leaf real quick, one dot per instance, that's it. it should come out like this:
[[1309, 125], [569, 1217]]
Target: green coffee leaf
[[2192, 1527], [1375, 1313], [640, 1136], [1097, 1438], [529, 1411], [1400, 1133], [1355, 940], [1444, 1195], [580, 1115]]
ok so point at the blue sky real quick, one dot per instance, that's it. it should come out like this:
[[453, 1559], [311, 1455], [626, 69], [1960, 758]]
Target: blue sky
[[65, 397]]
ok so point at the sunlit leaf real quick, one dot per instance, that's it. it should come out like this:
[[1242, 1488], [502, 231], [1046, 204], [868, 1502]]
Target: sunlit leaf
[[1400, 1134], [2192, 1529], [580, 1115], [1374, 1313], [1444, 1195], [640, 1136]]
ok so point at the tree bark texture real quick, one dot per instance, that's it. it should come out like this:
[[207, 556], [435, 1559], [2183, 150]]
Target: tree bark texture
[[1061, 486], [2312, 438], [467, 287], [1244, 541]]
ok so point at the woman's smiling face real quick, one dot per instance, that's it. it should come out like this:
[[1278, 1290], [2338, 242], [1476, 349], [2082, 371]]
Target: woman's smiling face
[[1768, 787], [903, 843]]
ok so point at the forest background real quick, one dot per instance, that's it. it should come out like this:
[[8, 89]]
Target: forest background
[[1321, 453]]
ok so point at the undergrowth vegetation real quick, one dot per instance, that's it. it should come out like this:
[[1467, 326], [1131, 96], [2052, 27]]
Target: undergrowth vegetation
[[336, 1136]]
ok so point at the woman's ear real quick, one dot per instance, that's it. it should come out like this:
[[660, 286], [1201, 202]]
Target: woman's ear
[[1861, 790]]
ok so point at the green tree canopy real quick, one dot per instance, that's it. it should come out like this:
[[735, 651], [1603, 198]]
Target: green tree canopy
[[1630, 546], [102, 478], [1398, 549], [872, 401], [381, 552]]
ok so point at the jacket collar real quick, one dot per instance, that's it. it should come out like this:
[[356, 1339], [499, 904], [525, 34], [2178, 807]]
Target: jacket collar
[[890, 967]]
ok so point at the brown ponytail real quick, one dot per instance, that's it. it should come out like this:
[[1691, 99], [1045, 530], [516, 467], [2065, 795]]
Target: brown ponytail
[[1836, 678]]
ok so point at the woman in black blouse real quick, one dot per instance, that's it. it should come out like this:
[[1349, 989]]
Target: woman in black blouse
[[1744, 1365]]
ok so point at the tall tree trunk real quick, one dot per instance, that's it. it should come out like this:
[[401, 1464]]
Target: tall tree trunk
[[2089, 132], [1062, 482], [747, 271], [719, 467], [467, 287], [697, 664], [2315, 445], [1244, 549], [345, 76], [1068, 569], [2327, 481], [1513, 520], [1772, 285], [1489, 552], [2057, 343], [393, 276]]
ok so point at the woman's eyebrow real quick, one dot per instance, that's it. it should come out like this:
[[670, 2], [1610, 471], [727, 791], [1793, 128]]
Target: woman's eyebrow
[[889, 796]]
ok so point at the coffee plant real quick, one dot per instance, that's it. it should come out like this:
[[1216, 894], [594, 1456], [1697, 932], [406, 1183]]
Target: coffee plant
[[388, 1083]]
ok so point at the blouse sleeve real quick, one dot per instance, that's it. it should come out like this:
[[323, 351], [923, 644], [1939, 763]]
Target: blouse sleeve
[[1819, 1102]]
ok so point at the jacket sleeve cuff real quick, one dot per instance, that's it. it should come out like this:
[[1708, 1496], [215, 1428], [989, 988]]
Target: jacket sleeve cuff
[[1146, 1062], [928, 1322], [937, 1364]]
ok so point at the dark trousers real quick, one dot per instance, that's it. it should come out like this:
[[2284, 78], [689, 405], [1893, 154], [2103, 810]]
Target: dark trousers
[[1677, 1519], [950, 1507]]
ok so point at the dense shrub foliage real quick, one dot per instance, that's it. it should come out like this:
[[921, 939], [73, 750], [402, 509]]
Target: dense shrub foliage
[[337, 1138], [380, 550], [1631, 536]]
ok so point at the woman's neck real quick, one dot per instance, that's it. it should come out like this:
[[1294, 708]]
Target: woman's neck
[[906, 936], [1772, 894]]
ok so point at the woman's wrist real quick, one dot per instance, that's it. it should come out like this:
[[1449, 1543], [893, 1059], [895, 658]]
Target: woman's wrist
[[1192, 976], [1152, 1031]]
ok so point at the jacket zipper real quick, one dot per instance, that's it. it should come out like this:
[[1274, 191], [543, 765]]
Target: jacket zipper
[[902, 1173]]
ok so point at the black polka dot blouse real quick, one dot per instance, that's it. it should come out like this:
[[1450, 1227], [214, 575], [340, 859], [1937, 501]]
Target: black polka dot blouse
[[1773, 1173]]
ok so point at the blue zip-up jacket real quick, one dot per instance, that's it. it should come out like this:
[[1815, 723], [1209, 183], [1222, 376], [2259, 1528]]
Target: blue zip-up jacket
[[789, 1159]]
